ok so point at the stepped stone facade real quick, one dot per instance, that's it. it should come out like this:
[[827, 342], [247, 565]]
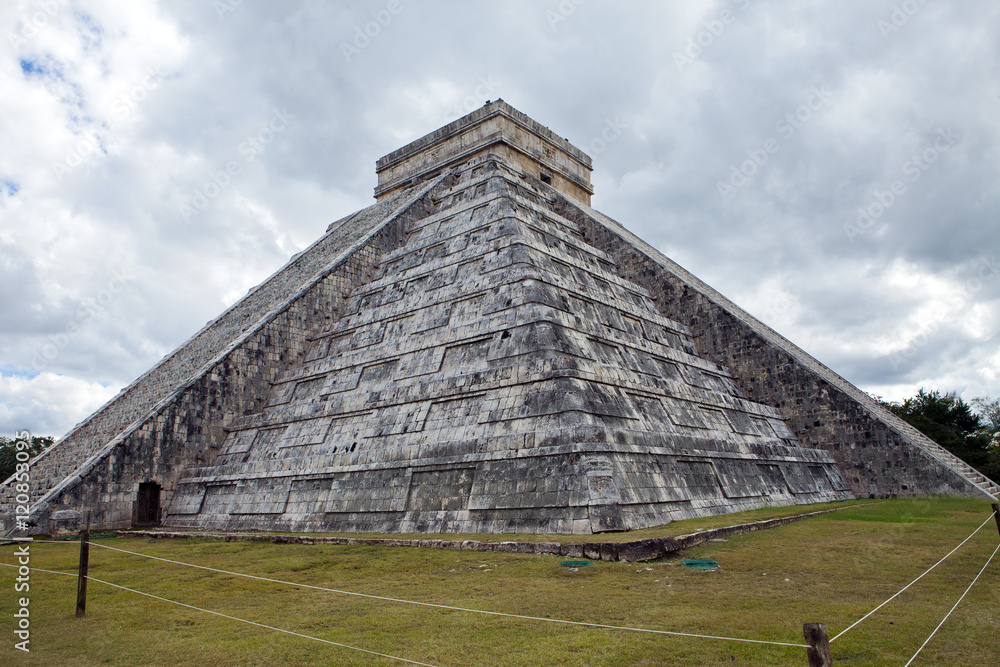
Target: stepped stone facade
[[479, 351]]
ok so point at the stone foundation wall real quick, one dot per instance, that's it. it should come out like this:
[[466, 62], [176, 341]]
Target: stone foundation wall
[[573, 488], [626, 552]]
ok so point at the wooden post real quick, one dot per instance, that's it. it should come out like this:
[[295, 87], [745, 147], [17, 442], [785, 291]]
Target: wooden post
[[819, 645], [996, 515], [81, 582]]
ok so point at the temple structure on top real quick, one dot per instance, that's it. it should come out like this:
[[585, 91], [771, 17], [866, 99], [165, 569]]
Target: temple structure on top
[[479, 351], [496, 129]]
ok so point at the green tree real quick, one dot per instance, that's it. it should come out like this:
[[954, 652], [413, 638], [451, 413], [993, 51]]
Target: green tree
[[989, 409], [969, 431], [8, 453]]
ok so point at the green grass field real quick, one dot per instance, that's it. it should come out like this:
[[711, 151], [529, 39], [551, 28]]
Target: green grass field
[[832, 569]]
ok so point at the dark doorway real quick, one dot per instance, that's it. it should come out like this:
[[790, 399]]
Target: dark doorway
[[147, 505]]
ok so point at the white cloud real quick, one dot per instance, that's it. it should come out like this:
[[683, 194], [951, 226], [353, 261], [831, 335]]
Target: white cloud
[[83, 81], [48, 404]]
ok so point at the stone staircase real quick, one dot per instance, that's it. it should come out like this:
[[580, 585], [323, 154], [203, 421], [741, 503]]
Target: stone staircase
[[936, 451], [55, 464], [962, 468]]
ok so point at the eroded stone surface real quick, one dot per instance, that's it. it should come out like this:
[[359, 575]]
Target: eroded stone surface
[[499, 375], [479, 352]]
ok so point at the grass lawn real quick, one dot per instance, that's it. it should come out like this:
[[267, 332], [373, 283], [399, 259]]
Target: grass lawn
[[833, 569]]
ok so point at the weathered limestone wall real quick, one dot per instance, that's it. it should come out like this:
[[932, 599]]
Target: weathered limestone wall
[[507, 359], [878, 454], [173, 416], [499, 375]]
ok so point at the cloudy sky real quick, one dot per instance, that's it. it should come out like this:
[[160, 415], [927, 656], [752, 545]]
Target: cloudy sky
[[831, 166]]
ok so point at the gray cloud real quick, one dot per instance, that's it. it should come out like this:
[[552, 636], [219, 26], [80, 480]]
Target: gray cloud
[[146, 144]]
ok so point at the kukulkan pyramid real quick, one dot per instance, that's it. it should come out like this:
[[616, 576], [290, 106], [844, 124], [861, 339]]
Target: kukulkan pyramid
[[479, 351]]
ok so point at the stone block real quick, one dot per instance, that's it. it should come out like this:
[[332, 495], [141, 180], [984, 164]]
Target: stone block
[[631, 552], [553, 548], [571, 550]]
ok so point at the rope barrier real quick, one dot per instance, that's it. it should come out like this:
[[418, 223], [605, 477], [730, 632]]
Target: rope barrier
[[448, 607], [990, 518], [953, 608], [497, 613], [232, 618], [385, 655], [452, 608]]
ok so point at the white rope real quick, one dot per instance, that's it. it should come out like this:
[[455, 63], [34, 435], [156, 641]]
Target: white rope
[[990, 518], [953, 608], [449, 607], [232, 618]]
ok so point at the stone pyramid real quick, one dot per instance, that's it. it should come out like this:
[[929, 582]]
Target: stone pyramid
[[480, 351]]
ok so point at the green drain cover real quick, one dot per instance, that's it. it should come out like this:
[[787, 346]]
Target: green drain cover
[[575, 563], [700, 563]]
